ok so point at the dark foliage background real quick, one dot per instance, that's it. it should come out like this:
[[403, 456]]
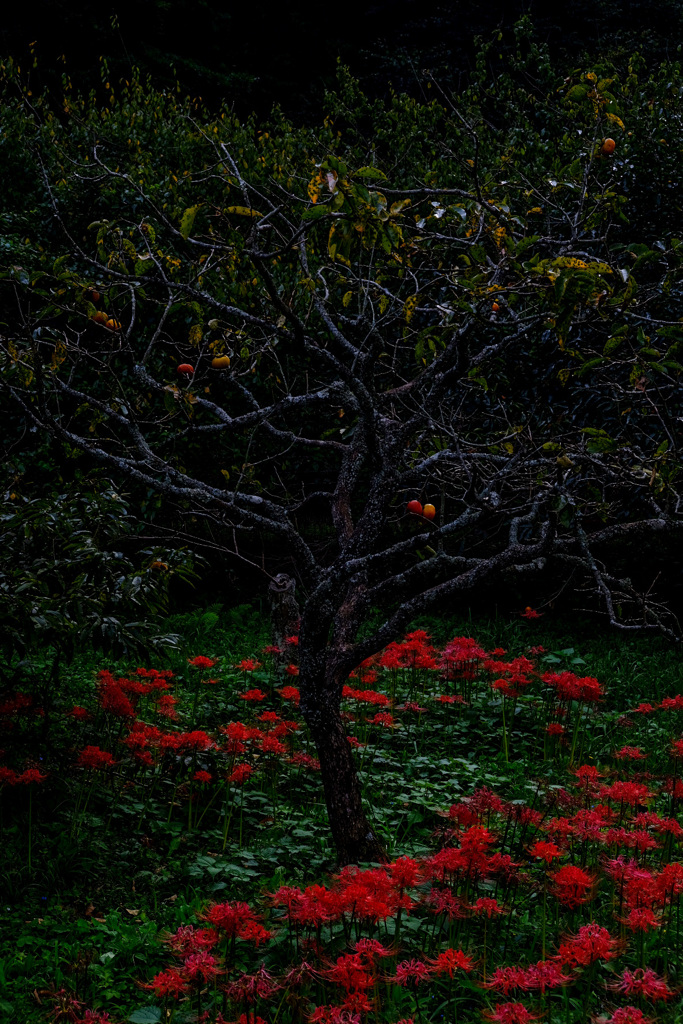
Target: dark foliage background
[[261, 54]]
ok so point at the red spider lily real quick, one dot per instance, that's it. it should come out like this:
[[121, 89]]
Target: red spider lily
[[93, 757], [96, 1017], [637, 839], [572, 885], [195, 740], [530, 613], [463, 650], [228, 917], [405, 872], [250, 987], [442, 901], [630, 754], [292, 641], [19, 702], [587, 825], [296, 976], [488, 906], [366, 696], [393, 657], [569, 686], [644, 709], [677, 748], [485, 801], [502, 864], [371, 948], [446, 698], [268, 716], [292, 670], [505, 687], [546, 851], [244, 1018], [451, 960], [272, 745], [358, 1003], [542, 976], [350, 973], [641, 919], [112, 697], [643, 982], [626, 1015], [526, 815], [587, 774], [384, 718], [254, 694], [166, 706], [202, 776], [510, 1013], [79, 713], [271, 649], [201, 967], [187, 939], [252, 931], [290, 693], [8, 777], [31, 775], [463, 814], [305, 761], [669, 882], [201, 662], [672, 703], [170, 983], [631, 793], [668, 826], [334, 1015], [591, 943], [248, 665], [410, 972], [315, 906], [555, 729]]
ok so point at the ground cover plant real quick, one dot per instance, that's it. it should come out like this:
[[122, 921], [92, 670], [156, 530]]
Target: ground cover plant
[[529, 814]]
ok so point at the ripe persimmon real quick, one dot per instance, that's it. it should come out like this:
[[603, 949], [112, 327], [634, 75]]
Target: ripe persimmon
[[186, 369], [113, 325], [220, 362], [608, 147], [495, 307], [100, 317], [414, 507], [429, 511]]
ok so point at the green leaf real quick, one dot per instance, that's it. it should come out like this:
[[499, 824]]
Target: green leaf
[[372, 173], [241, 211], [612, 344], [146, 1015], [187, 220]]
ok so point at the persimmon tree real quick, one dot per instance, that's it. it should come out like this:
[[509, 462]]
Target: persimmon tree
[[418, 307]]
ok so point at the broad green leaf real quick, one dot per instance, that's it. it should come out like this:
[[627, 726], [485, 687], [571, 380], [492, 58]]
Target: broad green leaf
[[187, 220]]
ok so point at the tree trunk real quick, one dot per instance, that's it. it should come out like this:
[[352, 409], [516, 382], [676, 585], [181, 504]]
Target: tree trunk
[[352, 833], [284, 611]]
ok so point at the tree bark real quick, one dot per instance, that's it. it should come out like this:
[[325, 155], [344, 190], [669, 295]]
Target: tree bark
[[284, 610], [353, 835], [321, 685]]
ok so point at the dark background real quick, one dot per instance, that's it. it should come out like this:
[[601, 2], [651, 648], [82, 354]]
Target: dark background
[[256, 54]]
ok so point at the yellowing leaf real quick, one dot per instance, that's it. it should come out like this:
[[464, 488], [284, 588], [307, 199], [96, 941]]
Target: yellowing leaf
[[187, 220], [243, 211]]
